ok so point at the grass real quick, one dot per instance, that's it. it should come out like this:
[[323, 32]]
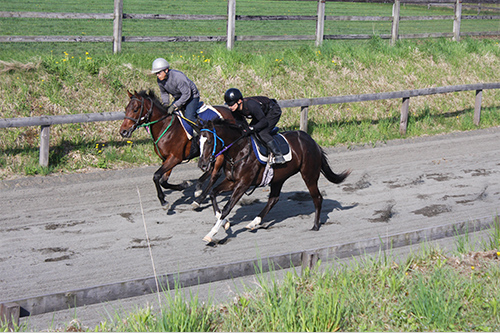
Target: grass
[[430, 290], [54, 79]]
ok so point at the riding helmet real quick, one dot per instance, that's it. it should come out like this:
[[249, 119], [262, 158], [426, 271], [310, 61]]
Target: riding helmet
[[159, 64], [232, 96]]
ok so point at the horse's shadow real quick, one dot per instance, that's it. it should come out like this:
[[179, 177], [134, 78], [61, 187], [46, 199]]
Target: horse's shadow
[[296, 205], [187, 198]]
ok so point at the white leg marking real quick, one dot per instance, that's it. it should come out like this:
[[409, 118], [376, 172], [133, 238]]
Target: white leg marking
[[256, 221], [214, 230], [197, 193]]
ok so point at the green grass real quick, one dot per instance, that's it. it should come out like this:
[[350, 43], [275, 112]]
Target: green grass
[[70, 78], [52, 79]]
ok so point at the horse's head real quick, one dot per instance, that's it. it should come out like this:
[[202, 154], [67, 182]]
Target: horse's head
[[208, 145], [213, 135], [138, 111]]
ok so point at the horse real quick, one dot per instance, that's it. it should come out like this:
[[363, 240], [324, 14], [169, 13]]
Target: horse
[[243, 169], [171, 142]]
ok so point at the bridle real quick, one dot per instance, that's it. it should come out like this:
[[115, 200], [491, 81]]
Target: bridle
[[141, 119], [144, 121]]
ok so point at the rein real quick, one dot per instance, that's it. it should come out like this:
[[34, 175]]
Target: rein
[[224, 149]]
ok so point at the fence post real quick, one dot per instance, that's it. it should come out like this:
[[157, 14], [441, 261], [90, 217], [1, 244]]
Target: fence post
[[303, 118], [395, 22], [117, 26], [231, 23], [457, 20], [320, 23], [477, 107], [44, 145], [309, 260], [403, 124], [9, 314]]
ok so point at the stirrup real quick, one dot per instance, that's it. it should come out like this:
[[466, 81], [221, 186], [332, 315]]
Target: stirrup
[[281, 159]]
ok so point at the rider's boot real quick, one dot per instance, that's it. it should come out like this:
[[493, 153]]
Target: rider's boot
[[278, 156]]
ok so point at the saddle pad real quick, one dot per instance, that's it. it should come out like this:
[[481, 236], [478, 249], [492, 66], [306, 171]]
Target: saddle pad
[[205, 112], [261, 151]]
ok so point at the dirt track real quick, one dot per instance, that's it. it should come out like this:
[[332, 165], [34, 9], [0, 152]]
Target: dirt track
[[67, 232]]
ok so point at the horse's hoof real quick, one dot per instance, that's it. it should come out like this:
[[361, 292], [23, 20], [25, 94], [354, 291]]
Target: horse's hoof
[[195, 205], [164, 204], [227, 225], [197, 193], [252, 225], [207, 239]]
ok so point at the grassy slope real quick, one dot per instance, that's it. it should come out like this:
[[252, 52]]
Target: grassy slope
[[72, 79]]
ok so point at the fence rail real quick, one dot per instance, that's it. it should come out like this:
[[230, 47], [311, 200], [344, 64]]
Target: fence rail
[[304, 103], [118, 16]]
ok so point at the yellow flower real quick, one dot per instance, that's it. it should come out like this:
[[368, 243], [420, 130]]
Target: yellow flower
[[472, 267]]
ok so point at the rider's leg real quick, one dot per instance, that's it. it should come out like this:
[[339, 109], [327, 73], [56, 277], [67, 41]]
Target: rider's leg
[[278, 156], [273, 147], [191, 107]]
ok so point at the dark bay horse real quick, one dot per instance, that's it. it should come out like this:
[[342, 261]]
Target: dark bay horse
[[171, 142], [243, 170]]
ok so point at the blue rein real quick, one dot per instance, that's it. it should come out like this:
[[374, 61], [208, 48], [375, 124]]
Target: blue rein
[[215, 143]]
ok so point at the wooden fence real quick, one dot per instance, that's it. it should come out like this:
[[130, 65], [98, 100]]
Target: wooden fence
[[11, 310], [117, 16], [304, 103]]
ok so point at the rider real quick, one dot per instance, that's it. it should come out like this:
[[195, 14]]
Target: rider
[[265, 114], [183, 90]]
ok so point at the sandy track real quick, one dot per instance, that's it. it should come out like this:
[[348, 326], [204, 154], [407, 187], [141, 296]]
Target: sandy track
[[61, 233]]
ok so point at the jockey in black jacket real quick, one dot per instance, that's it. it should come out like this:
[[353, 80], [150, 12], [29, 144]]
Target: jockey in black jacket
[[264, 114]]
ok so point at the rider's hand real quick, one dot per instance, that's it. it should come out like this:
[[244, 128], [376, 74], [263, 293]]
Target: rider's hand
[[171, 108], [248, 131]]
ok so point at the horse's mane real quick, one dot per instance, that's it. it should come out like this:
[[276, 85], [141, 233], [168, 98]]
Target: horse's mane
[[226, 122], [156, 101]]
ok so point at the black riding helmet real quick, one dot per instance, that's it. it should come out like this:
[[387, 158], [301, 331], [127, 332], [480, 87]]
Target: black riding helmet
[[232, 96]]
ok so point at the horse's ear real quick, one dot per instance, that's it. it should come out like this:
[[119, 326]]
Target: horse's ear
[[129, 94]]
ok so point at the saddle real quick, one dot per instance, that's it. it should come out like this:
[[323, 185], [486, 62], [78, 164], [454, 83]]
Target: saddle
[[261, 150], [204, 112]]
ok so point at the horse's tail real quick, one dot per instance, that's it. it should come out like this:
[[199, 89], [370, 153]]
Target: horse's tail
[[328, 173]]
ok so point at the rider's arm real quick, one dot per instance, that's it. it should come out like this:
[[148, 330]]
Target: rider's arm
[[259, 121]]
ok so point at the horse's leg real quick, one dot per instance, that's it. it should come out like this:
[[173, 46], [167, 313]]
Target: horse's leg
[[312, 185], [238, 192], [161, 175], [162, 178], [199, 184], [274, 197], [215, 174]]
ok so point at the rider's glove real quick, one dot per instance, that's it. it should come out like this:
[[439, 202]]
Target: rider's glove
[[171, 108], [248, 131]]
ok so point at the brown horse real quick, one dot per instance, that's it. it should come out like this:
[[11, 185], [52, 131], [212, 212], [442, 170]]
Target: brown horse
[[171, 142], [243, 170]]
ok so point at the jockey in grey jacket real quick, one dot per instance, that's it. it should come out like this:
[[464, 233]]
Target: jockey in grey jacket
[[175, 83], [179, 86]]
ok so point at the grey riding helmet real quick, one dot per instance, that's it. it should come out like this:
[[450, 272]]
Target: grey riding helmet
[[159, 64]]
